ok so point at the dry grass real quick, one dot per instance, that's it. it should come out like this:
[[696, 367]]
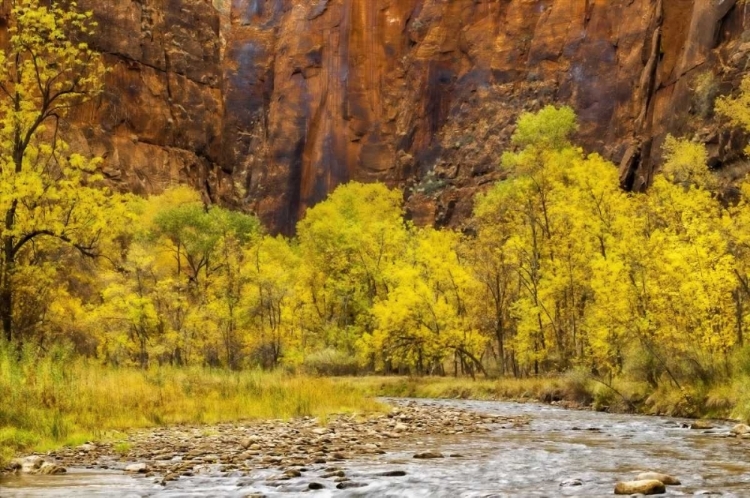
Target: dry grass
[[54, 399]]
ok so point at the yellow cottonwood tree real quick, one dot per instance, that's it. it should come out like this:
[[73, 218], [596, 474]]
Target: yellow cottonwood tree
[[49, 196]]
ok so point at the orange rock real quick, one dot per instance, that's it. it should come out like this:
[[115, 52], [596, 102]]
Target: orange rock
[[289, 98]]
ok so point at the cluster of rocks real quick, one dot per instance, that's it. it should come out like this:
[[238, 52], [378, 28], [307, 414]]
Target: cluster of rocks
[[290, 447]]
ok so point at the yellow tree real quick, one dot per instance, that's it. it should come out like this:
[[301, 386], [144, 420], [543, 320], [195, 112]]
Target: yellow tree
[[46, 192], [269, 302], [345, 244], [425, 318]]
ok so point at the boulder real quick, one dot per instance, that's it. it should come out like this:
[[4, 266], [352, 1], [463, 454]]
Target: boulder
[[647, 487], [658, 476]]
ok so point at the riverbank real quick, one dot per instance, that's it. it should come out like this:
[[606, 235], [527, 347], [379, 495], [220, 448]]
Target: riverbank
[[424, 448], [729, 401], [285, 447], [50, 402]]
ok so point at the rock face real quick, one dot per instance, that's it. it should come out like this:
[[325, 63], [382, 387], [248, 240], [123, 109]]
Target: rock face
[[269, 104]]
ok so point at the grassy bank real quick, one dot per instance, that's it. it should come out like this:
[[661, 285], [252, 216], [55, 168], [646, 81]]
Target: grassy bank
[[730, 400], [54, 400]]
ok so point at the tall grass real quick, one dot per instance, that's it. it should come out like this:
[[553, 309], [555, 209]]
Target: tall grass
[[55, 398]]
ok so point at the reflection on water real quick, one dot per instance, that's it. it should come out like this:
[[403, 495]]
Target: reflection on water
[[561, 453]]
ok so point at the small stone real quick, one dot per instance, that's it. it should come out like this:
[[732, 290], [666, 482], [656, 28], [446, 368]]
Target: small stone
[[658, 476], [650, 487], [315, 485], [51, 469], [350, 484], [570, 483], [292, 473], [428, 455], [29, 464], [740, 429], [393, 473], [137, 468], [701, 425]]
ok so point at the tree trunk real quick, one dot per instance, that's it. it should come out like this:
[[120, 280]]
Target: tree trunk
[[6, 290]]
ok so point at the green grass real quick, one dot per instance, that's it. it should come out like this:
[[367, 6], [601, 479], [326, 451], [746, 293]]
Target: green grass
[[54, 400]]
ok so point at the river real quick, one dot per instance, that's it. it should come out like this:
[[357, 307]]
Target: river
[[560, 453]]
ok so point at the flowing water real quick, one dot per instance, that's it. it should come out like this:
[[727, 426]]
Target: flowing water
[[561, 453]]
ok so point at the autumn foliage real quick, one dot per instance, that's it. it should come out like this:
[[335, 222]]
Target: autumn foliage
[[560, 269]]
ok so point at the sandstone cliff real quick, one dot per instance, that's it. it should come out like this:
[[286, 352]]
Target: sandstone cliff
[[269, 104]]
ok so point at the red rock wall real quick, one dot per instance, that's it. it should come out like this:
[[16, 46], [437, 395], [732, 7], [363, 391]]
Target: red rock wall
[[320, 92], [269, 104]]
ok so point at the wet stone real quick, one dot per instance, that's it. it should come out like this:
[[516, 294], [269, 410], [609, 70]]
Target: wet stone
[[350, 485], [392, 473], [428, 455]]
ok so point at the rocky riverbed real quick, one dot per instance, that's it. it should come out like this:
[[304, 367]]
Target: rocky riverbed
[[290, 448], [426, 448]]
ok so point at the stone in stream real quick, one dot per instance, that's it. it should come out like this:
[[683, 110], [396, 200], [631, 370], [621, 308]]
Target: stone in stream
[[350, 484], [658, 476], [137, 468], [428, 455], [51, 469], [740, 429], [315, 486], [392, 473], [27, 465], [648, 487], [570, 483], [291, 473]]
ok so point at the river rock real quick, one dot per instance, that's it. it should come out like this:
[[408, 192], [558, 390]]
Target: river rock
[[393, 473], [740, 429], [137, 468], [571, 483], [658, 476], [349, 485], [51, 469], [647, 487], [315, 486], [427, 455]]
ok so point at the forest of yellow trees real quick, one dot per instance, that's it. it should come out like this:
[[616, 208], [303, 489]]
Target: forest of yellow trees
[[559, 269]]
